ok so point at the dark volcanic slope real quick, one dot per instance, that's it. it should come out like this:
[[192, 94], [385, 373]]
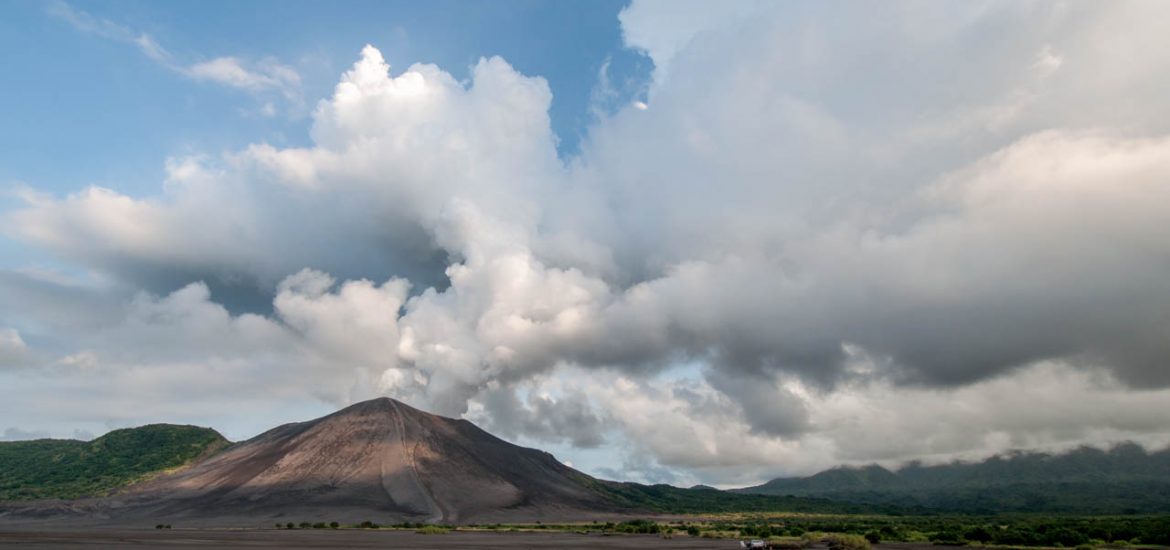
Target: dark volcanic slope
[[375, 460]]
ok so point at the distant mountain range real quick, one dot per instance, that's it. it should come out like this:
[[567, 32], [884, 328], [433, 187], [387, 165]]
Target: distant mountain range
[[385, 461], [1123, 479]]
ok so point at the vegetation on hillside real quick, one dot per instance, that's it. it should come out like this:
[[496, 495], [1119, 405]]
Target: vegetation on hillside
[[673, 500], [66, 469], [1123, 480]]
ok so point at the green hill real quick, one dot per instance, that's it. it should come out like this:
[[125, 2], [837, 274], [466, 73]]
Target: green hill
[[1121, 480], [65, 468], [673, 500]]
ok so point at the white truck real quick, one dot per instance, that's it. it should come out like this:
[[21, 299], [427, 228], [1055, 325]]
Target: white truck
[[755, 543]]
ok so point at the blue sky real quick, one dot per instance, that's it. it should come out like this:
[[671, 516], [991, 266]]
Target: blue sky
[[83, 109]]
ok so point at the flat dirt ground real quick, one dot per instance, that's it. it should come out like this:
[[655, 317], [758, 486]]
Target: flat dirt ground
[[223, 539]]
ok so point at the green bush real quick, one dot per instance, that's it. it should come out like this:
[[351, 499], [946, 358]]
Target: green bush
[[915, 536], [978, 534], [433, 530], [809, 538], [641, 526], [947, 537], [1065, 536], [847, 542]]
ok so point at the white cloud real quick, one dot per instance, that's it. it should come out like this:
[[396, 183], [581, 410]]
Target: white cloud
[[261, 78], [267, 76], [13, 351], [109, 30]]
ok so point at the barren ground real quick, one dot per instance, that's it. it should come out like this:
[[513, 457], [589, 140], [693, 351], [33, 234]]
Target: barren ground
[[225, 539]]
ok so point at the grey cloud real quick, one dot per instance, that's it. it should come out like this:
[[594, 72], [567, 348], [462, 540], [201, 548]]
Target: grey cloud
[[884, 202], [553, 419], [767, 408], [17, 434], [640, 467]]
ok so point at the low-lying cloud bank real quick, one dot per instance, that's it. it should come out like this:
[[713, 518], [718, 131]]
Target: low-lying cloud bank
[[828, 235]]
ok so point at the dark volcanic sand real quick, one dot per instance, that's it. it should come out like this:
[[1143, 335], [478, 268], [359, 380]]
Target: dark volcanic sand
[[196, 538]]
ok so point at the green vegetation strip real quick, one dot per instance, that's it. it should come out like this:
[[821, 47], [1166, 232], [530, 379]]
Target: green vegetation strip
[[668, 499], [844, 532]]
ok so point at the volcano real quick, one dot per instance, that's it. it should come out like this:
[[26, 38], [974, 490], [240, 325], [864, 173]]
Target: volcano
[[378, 459]]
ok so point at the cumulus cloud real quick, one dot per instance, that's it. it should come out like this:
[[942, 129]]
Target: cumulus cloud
[[808, 238]]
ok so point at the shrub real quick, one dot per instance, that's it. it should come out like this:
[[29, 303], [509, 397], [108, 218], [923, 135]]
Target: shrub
[[978, 534], [947, 538], [693, 530], [432, 530], [915, 536], [847, 542], [290, 525], [1065, 537], [873, 537], [638, 526], [810, 538]]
